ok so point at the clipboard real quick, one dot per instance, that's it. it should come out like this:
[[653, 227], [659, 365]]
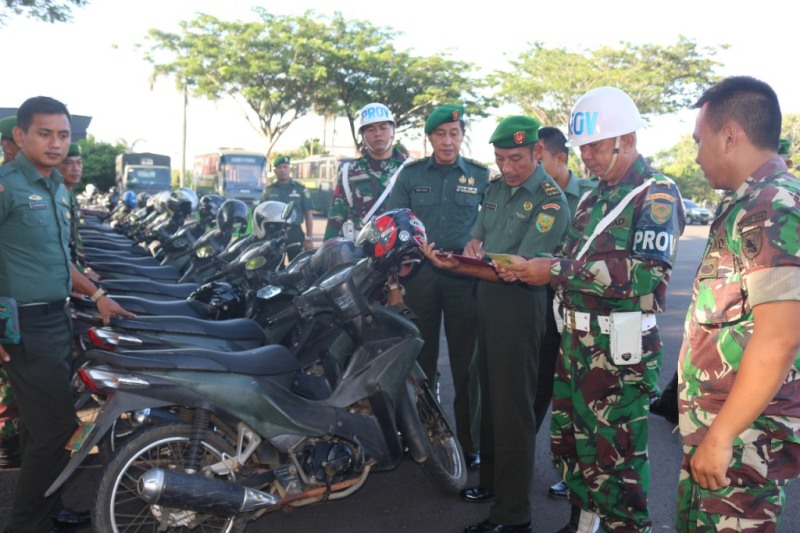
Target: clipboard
[[502, 260], [465, 259]]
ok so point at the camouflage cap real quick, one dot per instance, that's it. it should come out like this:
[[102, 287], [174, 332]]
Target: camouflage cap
[[784, 146], [6, 125], [515, 131], [442, 114], [74, 150], [281, 160]]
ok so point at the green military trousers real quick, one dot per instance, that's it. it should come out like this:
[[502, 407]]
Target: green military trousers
[[511, 322], [40, 373], [599, 427], [429, 293]]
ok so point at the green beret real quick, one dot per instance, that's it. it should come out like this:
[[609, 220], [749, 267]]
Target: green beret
[[784, 146], [442, 114], [6, 125], [74, 150], [516, 131], [280, 160]]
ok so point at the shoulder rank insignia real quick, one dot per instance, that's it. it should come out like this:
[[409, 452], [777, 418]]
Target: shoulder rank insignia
[[550, 189]]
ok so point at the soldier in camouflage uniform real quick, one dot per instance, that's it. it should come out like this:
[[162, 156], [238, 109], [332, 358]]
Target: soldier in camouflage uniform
[[739, 368], [616, 258], [286, 190], [361, 183], [523, 214], [71, 168], [9, 414]]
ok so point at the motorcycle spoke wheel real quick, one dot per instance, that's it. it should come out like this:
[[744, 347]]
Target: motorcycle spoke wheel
[[445, 465], [119, 509]]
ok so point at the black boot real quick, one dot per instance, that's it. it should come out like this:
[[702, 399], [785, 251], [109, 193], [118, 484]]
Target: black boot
[[9, 452], [666, 405]]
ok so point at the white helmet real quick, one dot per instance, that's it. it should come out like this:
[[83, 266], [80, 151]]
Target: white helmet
[[602, 113], [372, 113]]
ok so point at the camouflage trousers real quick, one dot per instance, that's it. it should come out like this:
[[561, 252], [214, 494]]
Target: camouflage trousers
[[599, 427], [754, 500], [9, 415]]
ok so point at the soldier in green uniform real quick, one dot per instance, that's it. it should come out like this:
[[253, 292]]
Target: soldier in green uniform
[[9, 414], [286, 190], [524, 214], [71, 168], [444, 191], [610, 277], [739, 367], [785, 151], [35, 271], [359, 192]]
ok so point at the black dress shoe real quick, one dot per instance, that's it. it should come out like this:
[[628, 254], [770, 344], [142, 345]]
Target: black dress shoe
[[477, 495], [473, 460], [69, 518], [491, 527], [559, 490], [665, 409]]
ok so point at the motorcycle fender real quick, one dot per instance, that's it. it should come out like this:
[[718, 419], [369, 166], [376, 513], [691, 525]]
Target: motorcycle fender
[[103, 423], [409, 424]]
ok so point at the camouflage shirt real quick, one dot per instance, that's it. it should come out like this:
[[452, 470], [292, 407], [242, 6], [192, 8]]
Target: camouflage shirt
[[751, 257], [627, 267], [367, 179]]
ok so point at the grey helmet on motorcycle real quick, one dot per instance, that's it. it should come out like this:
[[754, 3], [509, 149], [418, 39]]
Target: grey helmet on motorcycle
[[182, 202], [394, 239], [232, 216], [160, 202], [209, 206], [224, 300], [268, 219], [141, 199]]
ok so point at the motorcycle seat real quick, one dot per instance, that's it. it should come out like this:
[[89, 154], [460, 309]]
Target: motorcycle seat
[[264, 361], [154, 272], [176, 290], [143, 306], [233, 329], [138, 260]]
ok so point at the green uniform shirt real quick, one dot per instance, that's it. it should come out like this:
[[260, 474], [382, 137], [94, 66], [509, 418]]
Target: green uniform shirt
[[34, 232], [290, 192], [528, 220], [444, 197], [575, 189]]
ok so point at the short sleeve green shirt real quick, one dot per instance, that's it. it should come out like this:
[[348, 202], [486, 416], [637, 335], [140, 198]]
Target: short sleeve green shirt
[[290, 192], [34, 234], [527, 220]]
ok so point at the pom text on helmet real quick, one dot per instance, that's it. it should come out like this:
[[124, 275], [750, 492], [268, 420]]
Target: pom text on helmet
[[583, 123]]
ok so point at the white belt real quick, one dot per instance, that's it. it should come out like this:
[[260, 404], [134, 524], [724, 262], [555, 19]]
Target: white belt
[[576, 320]]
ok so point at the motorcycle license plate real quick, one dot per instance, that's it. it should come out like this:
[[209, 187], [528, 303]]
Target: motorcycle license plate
[[75, 442]]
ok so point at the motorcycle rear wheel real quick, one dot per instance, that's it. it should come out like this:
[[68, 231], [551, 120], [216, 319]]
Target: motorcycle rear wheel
[[117, 506], [445, 465]]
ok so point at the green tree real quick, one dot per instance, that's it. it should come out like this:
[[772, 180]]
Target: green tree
[[545, 82], [679, 163], [363, 66], [46, 10], [270, 66], [791, 131], [99, 162]]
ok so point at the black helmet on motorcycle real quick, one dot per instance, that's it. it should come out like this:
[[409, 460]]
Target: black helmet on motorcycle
[[129, 199], [209, 206], [182, 202], [268, 219], [224, 300], [394, 238], [232, 215], [141, 199], [333, 252]]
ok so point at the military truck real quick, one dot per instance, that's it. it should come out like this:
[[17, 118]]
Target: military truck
[[143, 172]]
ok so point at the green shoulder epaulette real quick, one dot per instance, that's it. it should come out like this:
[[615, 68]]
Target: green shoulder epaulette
[[550, 188], [476, 163], [495, 178], [416, 162], [7, 169]]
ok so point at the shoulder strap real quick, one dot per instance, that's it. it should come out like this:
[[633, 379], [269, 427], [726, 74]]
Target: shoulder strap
[[387, 190], [346, 184], [612, 215]]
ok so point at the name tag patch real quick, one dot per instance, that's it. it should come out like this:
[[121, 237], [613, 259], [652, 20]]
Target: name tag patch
[[423, 190], [490, 206], [37, 205]]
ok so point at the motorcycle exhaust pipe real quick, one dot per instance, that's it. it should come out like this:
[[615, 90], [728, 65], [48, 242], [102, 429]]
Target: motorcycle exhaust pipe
[[201, 494]]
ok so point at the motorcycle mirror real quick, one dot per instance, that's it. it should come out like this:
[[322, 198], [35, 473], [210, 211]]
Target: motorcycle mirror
[[286, 214]]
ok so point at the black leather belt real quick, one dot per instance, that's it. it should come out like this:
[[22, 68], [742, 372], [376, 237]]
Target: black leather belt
[[36, 310]]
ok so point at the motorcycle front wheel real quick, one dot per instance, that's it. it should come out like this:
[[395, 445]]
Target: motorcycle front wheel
[[118, 508], [445, 465]]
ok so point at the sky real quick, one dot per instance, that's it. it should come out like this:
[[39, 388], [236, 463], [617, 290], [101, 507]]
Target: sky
[[95, 63]]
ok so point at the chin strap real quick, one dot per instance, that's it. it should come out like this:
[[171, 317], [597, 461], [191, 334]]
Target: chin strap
[[613, 157]]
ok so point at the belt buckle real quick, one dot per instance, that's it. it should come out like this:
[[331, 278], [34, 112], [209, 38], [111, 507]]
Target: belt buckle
[[572, 321]]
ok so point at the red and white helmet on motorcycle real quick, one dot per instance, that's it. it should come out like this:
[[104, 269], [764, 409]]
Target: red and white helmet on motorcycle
[[394, 239]]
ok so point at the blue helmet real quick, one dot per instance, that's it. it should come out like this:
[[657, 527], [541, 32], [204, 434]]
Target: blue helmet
[[129, 199]]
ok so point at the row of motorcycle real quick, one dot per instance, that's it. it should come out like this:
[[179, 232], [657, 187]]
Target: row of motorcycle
[[246, 383]]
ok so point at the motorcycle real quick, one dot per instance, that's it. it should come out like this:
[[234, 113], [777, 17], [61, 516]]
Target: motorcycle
[[265, 429]]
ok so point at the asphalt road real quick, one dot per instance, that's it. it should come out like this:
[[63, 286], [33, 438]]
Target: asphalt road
[[404, 500]]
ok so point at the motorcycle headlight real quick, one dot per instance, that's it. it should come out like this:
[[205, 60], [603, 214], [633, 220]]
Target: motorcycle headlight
[[204, 252], [255, 262]]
